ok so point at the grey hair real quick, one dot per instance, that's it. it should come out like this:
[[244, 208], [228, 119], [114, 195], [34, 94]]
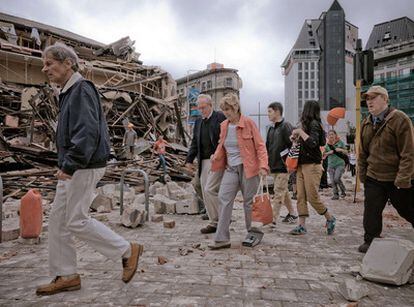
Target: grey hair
[[60, 52], [206, 97]]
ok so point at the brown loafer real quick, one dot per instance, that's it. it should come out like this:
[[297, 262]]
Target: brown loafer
[[60, 284], [208, 229], [130, 264]]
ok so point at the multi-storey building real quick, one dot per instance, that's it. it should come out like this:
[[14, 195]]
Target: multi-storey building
[[216, 81], [320, 66], [393, 45]]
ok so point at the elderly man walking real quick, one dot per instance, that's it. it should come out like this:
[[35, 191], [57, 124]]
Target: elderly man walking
[[203, 145], [385, 162], [83, 148]]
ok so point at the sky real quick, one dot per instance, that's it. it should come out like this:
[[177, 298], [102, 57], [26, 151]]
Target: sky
[[186, 35]]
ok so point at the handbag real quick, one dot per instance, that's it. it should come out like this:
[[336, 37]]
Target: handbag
[[262, 210], [293, 158]]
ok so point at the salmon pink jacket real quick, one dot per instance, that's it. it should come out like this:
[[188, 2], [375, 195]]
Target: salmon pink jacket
[[252, 148]]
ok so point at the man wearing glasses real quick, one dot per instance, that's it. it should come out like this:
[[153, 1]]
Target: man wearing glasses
[[385, 162], [206, 135]]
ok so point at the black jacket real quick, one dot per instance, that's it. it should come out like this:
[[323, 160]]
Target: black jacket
[[82, 134], [310, 151], [195, 148], [278, 140]]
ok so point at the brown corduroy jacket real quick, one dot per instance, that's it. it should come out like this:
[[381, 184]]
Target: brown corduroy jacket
[[386, 152]]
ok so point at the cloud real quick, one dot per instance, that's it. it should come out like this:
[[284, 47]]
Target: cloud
[[178, 35]]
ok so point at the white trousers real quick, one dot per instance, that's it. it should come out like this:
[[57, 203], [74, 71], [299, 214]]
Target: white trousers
[[69, 217]]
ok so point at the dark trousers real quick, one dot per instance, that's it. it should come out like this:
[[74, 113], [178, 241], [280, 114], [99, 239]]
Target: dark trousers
[[377, 194], [162, 163]]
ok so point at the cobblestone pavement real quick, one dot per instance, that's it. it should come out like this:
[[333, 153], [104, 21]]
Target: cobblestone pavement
[[283, 270]]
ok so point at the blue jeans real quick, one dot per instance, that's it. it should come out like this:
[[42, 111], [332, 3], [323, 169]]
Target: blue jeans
[[163, 163]]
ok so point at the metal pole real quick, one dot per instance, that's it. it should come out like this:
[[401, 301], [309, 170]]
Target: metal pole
[[146, 185], [357, 133]]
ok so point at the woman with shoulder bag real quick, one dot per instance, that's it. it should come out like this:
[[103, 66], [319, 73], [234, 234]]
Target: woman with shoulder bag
[[242, 154], [310, 137]]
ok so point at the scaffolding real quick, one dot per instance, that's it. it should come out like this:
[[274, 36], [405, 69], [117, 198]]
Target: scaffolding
[[400, 91]]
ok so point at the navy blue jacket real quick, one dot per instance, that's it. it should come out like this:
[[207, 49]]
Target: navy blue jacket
[[195, 149], [82, 138]]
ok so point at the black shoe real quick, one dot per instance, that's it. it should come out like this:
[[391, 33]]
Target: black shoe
[[205, 217], [294, 196], [335, 197], [363, 248], [291, 219], [208, 229]]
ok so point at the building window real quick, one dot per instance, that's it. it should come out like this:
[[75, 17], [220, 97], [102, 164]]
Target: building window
[[229, 82], [312, 75], [300, 94], [306, 84], [300, 66], [203, 86], [306, 75], [300, 75], [312, 65], [313, 94], [306, 94], [312, 84], [306, 65], [299, 84], [209, 84]]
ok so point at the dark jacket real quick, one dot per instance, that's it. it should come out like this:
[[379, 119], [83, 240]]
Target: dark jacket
[[386, 152], [310, 151], [82, 134], [277, 141], [195, 148]]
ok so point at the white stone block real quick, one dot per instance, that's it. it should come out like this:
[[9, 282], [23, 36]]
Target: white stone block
[[389, 261], [187, 206]]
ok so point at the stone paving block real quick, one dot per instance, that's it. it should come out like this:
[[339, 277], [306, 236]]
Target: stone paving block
[[389, 261], [279, 295]]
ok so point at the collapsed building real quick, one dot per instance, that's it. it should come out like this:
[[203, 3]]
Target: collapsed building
[[130, 92]]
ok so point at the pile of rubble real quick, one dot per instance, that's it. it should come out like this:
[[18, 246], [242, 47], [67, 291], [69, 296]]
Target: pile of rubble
[[130, 93]]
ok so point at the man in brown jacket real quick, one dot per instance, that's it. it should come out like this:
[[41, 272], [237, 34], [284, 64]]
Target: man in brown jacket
[[386, 163]]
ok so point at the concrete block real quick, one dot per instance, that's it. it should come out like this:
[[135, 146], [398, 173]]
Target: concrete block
[[132, 217], [169, 224], [162, 191], [163, 204], [156, 218], [153, 187], [353, 290], [187, 206], [183, 195], [389, 261], [102, 204]]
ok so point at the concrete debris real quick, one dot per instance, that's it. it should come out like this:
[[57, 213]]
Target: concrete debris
[[163, 204], [169, 224], [102, 204], [184, 251], [162, 260], [156, 218], [389, 261], [353, 290], [188, 206], [132, 217]]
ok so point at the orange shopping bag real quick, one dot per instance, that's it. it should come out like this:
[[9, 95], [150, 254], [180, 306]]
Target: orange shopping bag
[[262, 210]]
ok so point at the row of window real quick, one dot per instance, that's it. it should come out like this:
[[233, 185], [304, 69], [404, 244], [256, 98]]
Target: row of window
[[395, 73], [207, 85], [306, 75], [306, 66], [307, 84], [313, 94]]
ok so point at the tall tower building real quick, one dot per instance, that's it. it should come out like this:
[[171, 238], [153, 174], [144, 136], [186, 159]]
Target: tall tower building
[[320, 65]]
